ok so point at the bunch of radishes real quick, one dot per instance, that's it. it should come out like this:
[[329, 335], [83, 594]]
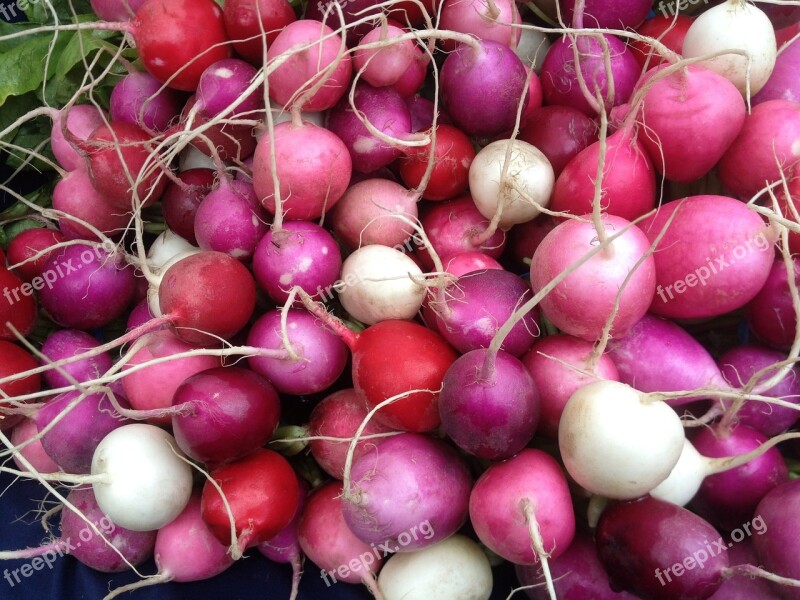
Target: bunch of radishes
[[346, 194]]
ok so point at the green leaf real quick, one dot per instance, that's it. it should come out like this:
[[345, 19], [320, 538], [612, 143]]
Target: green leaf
[[23, 67], [38, 12], [80, 47]]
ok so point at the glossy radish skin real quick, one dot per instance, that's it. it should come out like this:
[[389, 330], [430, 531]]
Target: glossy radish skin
[[179, 60], [230, 141], [180, 206], [560, 132], [223, 84], [667, 29], [385, 66], [770, 313], [16, 360], [621, 15], [779, 526], [782, 84], [76, 196], [639, 539], [581, 303], [407, 481], [79, 121], [490, 414], [742, 587], [66, 343], [461, 264], [285, 546], [27, 244], [139, 99], [33, 451], [481, 20], [528, 485], [18, 306], [246, 19], [453, 155], [556, 381]]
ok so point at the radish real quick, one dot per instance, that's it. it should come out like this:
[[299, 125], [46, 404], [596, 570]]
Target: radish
[[493, 21], [742, 586], [142, 481], [778, 526], [781, 84], [559, 132], [670, 30], [18, 306], [70, 127], [524, 239], [246, 19], [521, 508], [223, 139], [75, 196], [16, 361], [385, 65], [31, 450], [406, 494], [616, 443], [27, 244], [453, 569], [180, 205], [560, 365], [467, 262], [222, 87], [623, 15], [738, 25], [770, 314], [168, 247], [140, 99]]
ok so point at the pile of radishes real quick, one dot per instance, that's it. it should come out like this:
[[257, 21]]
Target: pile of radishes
[[531, 263]]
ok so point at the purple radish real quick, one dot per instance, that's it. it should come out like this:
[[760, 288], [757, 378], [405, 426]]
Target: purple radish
[[782, 83], [140, 100], [489, 404], [66, 343], [224, 83], [742, 587], [779, 528], [770, 313], [618, 15]]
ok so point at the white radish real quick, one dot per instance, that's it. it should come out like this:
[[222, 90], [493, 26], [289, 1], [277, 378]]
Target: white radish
[[685, 478], [166, 247], [616, 443]]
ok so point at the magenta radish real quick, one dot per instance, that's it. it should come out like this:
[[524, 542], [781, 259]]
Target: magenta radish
[[628, 188], [180, 205], [734, 25], [140, 100], [730, 259], [246, 19], [365, 214], [384, 66], [313, 169], [471, 310], [75, 196], [767, 146], [140, 315], [584, 300], [467, 262], [79, 121], [559, 75], [777, 527], [495, 78], [550, 361], [647, 546], [90, 287], [223, 85], [300, 254], [770, 313], [559, 132], [615, 442], [489, 404], [398, 473], [486, 21], [66, 343], [516, 498], [685, 149], [741, 586], [520, 185], [312, 62], [453, 569], [233, 412], [230, 220], [142, 481], [320, 355], [340, 415], [223, 139], [33, 451], [622, 15], [781, 84], [386, 111]]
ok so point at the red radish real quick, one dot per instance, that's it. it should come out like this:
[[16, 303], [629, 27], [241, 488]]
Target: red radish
[[313, 170], [384, 66], [730, 259], [582, 303], [75, 196], [550, 361], [140, 100], [179, 60], [400, 473], [770, 314], [261, 489], [559, 132], [33, 451], [622, 15], [339, 416], [781, 84], [310, 53], [79, 121], [180, 205], [246, 19], [15, 361], [29, 243], [66, 343], [518, 496], [228, 141], [364, 215], [17, 307], [524, 239], [355, 11], [667, 29], [486, 21]]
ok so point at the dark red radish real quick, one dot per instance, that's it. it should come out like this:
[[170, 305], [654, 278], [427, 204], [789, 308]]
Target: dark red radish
[[550, 362], [366, 214], [207, 293], [118, 155], [180, 205], [729, 259], [116, 10], [233, 412], [222, 88], [628, 187], [560, 132], [657, 549], [584, 300], [421, 110], [767, 146], [474, 307], [75, 196], [89, 287], [577, 573], [739, 364], [313, 170], [496, 80], [18, 306], [486, 21], [489, 404], [667, 29], [228, 141], [355, 11], [408, 484], [728, 499], [770, 314], [340, 415], [777, 527], [560, 80], [141, 100], [71, 127], [781, 85], [521, 495], [179, 60], [453, 155], [27, 244], [261, 490], [386, 111], [31, 451], [66, 343], [524, 239], [596, 13], [16, 360], [245, 20], [320, 355], [300, 254], [741, 586]]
